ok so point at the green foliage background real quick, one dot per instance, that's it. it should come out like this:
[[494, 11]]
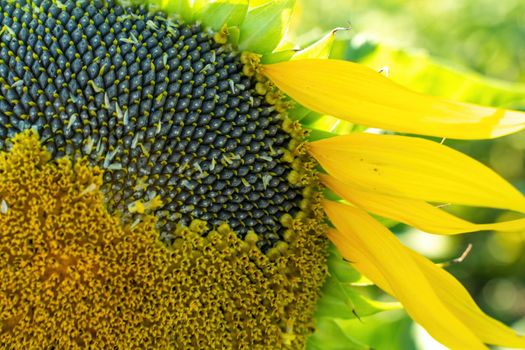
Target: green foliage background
[[471, 50], [483, 35]]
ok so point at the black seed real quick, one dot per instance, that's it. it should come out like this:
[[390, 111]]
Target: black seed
[[175, 110]]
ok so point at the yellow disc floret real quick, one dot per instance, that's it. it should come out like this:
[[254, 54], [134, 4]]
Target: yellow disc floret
[[73, 276]]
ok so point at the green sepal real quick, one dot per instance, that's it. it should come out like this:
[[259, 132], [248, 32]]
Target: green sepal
[[320, 122], [198, 6], [316, 135], [264, 26], [234, 35], [299, 112], [330, 336], [330, 124], [216, 13], [330, 195], [319, 49], [180, 8], [276, 57]]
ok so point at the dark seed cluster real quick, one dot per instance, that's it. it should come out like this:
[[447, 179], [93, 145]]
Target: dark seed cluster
[[162, 108]]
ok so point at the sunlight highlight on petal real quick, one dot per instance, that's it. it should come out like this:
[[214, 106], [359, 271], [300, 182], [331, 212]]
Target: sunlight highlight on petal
[[447, 288], [356, 93], [416, 213], [459, 301], [407, 281], [414, 168]]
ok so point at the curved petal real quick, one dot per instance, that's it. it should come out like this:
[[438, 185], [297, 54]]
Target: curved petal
[[403, 276], [353, 92], [416, 213], [446, 287], [415, 168], [320, 48], [452, 293], [460, 302]]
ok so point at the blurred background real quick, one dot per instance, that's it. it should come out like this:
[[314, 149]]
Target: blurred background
[[470, 50]]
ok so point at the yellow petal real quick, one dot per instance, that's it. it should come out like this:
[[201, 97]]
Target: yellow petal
[[460, 302], [415, 168], [416, 213], [356, 254], [404, 277], [353, 92], [448, 289]]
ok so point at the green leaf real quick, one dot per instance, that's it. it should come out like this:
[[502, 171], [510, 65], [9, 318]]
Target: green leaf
[[341, 297], [352, 50], [257, 3], [265, 26], [381, 332], [216, 13], [341, 300], [427, 75], [341, 269], [329, 336], [178, 7]]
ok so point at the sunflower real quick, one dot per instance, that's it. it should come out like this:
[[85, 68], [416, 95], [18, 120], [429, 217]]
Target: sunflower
[[159, 191]]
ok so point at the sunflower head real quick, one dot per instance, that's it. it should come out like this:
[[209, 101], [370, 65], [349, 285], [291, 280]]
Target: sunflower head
[[157, 189], [168, 113], [154, 191]]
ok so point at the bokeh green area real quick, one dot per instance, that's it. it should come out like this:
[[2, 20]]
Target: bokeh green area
[[470, 50], [483, 35]]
